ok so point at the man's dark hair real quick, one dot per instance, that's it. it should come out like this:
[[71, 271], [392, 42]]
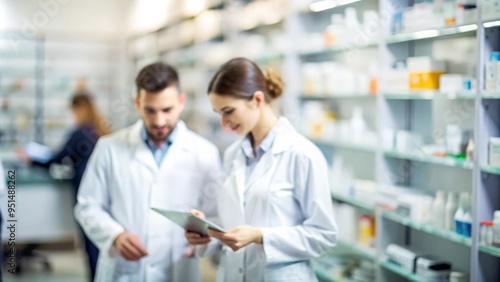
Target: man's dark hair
[[156, 77]]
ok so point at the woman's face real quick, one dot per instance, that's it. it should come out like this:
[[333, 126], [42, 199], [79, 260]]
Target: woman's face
[[237, 115]]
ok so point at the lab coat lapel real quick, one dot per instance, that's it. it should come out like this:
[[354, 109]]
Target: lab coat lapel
[[239, 170], [260, 169], [141, 151], [281, 143], [179, 147]]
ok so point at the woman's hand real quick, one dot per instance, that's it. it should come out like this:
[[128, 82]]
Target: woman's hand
[[193, 237], [23, 156], [239, 237]]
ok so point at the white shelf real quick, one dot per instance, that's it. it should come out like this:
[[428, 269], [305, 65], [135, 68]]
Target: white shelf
[[346, 145], [336, 49], [419, 156], [429, 95], [492, 23], [337, 96], [432, 33]]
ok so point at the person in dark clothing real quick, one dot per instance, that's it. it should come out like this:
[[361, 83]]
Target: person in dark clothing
[[76, 152]]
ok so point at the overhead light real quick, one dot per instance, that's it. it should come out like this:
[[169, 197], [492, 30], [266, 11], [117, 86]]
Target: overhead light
[[491, 24], [466, 28], [322, 5]]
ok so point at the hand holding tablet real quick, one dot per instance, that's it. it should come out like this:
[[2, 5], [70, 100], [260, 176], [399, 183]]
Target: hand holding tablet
[[189, 221]]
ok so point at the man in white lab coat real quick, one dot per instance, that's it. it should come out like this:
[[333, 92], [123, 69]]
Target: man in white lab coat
[[157, 162]]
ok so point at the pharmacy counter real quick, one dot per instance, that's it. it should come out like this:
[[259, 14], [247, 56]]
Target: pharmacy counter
[[43, 207]]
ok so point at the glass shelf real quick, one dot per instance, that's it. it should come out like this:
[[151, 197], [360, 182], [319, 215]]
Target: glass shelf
[[421, 157], [429, 229], [431, 33], [353, 202], [337, 96], [342, 144], [269, 59], [338, 49], [491, 95], [401, 271], [491, 23], [490, 250], [429, 95], [359, 250], [490, 169]]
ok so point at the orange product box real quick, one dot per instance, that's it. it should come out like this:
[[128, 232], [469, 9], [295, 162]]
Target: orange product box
[[428, 80]]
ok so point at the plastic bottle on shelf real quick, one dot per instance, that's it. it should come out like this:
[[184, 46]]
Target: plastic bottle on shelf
[[489, 233], [449, 211], [449, 12], [333, 33], [483, 230], [438, 210], [496, 229], [470, 150], [352, 27], [462, 216], [357, 124]]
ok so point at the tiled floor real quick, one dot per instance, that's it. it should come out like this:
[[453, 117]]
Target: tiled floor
[[68, 266]]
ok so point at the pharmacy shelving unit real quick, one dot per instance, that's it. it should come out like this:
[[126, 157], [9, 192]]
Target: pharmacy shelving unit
[[39, 75], [424, 112], [183, 43]]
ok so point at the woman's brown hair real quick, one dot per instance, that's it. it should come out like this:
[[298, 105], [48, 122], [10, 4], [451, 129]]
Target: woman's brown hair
[[241, 78], [83, 100]]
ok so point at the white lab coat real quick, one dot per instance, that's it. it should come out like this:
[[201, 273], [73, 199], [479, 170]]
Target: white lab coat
[[122, 182], [288, 196]]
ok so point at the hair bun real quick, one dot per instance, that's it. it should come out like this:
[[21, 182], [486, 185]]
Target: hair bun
[[274, 83]]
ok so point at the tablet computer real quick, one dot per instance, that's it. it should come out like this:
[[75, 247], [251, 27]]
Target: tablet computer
[[189, 221], [38, 152]]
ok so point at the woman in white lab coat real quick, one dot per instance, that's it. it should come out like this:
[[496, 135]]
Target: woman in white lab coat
[[275, 198]]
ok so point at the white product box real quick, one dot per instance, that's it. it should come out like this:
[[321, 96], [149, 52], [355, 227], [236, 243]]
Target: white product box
[[498, 76], [423, 64], [450, 83], [495, 151], [491, 71], [490, 9], [490, 85]]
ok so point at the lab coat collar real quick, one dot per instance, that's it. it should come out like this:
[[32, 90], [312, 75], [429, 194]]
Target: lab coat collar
[[283, 141], [284, 136], [143, 154], [180, 134]]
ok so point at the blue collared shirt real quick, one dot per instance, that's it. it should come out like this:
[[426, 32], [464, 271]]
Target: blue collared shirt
[[158, 152], [265, 145]]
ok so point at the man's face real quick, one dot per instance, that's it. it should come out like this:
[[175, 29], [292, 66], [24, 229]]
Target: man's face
[[160, 111]]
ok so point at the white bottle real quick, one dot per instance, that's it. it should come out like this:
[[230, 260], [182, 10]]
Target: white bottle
[[334, 32], [449, 211], [438, 210], [357, 124], [496, 229]]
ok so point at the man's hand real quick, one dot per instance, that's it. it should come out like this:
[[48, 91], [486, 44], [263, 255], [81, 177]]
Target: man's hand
[[129, 246], [193, 237], [239, 237]]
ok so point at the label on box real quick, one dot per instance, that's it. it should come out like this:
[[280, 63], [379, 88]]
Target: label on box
[[498, 77], [491, 71], [494, 154]]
